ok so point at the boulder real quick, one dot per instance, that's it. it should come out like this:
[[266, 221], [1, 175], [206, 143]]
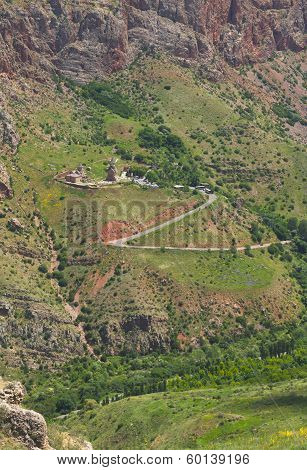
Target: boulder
[[27, 426], [13, 393]]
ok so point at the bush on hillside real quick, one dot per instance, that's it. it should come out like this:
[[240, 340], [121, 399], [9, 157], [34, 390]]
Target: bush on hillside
[[103, 94]]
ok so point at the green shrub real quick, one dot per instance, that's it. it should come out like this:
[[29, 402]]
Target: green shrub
[[149, 138], [43, 269], [103, 94], [283, 111], [302, 230]]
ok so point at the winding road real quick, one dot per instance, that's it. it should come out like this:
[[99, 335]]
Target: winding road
[[123, 242], [174, 248]]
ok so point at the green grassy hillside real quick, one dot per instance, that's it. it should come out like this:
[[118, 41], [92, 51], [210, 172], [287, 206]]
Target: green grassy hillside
[[178, 129], [129, 347], [257, 417]]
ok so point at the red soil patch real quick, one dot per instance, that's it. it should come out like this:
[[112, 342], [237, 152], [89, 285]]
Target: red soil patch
[[100, 281], [182, 340], [118, 229], [170, 213]]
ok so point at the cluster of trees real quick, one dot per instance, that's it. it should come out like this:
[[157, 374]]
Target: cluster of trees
[[298, 230], [245, 370], [291, 229], [163, 137], [284, 111], [103, 94], [124, 153], [268, 356], [277, 249], [275, 222], [165, 160], [58, 274], [256, 232], [170, 161]]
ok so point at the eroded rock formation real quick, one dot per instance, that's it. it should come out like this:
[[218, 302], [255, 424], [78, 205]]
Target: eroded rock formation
[[8, 133], [38, 333], [86, 42], [140, 332], [5, 184], [27, 426]]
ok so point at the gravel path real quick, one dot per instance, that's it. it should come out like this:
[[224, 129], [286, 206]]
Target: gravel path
[[123, 242], [174, 248]]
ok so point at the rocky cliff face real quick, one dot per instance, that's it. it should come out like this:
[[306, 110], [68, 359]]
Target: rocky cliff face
[[8, 134], [5, 184], [27, 426], [140, 332], [32, 332], [84, 41]]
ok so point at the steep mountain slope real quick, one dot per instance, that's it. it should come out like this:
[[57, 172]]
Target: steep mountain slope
[[187, 94], [35, 328], [141, 302], [90, 39], [60, 288]]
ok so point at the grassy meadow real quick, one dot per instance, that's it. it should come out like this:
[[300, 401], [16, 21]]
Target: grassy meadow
[[250, 417]]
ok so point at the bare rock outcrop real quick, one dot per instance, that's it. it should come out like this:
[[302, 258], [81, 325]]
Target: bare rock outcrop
[[85, 41], [140, 332], [5, 184], [13, 393], [39, 333], [27, 426], [8, 134]]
